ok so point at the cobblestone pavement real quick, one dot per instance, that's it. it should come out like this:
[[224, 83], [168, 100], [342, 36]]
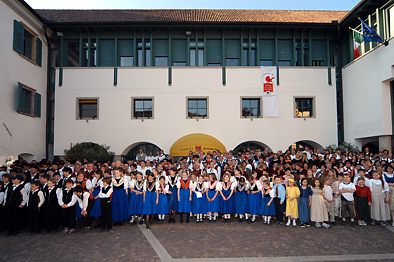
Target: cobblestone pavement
[[196, 242]]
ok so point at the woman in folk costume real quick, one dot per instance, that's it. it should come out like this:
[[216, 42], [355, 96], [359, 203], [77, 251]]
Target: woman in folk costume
[[319, 213], [268, 207], [119, 198], [136, 203], [304, 202], [150, 197], [389, 178], [86, 185], [199, 192], [214, 187], [380, 210], [227, 197], [292, 195], [172, 180], [184, 197], [254, 196], [241, 198], [97, 183], [162, 199]]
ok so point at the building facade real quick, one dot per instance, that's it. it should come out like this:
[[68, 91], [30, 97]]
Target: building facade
[[23, 81], [148, 78]]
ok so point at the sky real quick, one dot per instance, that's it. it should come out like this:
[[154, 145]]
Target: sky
[[212, 4]]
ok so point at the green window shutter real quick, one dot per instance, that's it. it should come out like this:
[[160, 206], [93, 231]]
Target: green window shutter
[[233, 47], [285, 49], [319, 50], [19, 98], [18, 36], [267, 49], [179, 50], [37, 105], [160, 47], [214, 51], [38, 51], [106, 52]]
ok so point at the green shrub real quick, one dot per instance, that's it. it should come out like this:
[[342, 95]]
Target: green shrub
[[89, 151]]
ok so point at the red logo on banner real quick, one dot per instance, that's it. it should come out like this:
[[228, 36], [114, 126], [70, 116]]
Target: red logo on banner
[[268, 86], [198, 148]]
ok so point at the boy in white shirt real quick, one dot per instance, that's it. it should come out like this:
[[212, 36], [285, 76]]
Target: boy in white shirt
[[347, 188]]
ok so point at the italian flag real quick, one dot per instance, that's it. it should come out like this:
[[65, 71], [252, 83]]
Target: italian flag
[[357, 40]]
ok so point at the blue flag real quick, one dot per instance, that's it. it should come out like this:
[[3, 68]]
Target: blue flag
[[370, 34]]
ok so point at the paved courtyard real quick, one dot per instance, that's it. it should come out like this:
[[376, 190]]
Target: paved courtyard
[[205, 242]]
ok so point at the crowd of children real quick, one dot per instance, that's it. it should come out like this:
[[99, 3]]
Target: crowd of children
[[293, 188]]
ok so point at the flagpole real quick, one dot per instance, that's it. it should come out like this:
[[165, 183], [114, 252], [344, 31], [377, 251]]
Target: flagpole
[[354, 30]]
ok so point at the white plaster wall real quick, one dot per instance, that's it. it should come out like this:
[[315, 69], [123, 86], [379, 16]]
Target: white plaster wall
[[28, 133], [366, 95], [116, 128]]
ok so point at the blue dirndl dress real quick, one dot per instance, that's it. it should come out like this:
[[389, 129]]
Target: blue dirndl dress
[[199, 204], [227, 206], [303, 205], [215, 205], [241, 201], [184, 205], [267, 210], [150, 200], [162, 206], [136, 203], [119, 203], [254, 201], [95, 212]]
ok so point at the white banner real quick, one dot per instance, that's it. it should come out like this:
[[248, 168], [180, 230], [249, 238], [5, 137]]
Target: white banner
[[270, 91]]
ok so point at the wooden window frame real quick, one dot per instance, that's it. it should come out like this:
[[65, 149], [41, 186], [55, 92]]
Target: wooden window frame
[[196, 97], [142, 98], [78, 113]]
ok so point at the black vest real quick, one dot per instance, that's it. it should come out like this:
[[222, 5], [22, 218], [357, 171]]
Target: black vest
[[51, 198], [16, 196], [34, 200], [67, 196]]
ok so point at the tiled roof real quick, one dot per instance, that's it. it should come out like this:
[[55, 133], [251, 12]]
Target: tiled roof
[[199, 16]]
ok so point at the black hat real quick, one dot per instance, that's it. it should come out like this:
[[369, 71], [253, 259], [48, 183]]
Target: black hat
[[68, 170], [19, 176]]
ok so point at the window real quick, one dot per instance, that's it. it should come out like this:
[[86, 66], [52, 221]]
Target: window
[[28, 101], [140, 53], [87, 108], [27, 43], [161, 61], [72, 52], [266, 62], [248, 55], [304, 107], [142, 108], [197, 107], [317, 62], [232, 62], [391, 21], [126, 61], [284, 62], [196, 53], [251, 107], [179, 63]]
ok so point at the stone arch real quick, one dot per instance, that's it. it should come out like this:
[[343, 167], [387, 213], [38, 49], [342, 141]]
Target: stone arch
[[252, 144], [132, 150], [306, 143]]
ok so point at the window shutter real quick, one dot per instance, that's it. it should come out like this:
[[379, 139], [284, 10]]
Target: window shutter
[[37, 105], [18, 36], [19, 98], [38, 51]]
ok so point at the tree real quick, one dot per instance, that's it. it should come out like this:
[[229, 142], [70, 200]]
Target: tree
[[89, 151]]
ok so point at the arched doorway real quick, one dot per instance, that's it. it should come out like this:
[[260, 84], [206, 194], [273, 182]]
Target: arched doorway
[[251, 145], [131, 151], [300, 145], [196, 143], [373, 147], [26, 157]]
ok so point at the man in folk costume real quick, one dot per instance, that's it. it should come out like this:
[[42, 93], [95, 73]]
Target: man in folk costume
[[17, 201], [89, 172], [214, 170]]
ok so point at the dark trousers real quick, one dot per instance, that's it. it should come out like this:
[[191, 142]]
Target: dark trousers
[[68, 217], [14, 219], [106, 213], [51, 217], [85, 220], [279, 209], [34, 219], [2, 218], [363, 209]]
